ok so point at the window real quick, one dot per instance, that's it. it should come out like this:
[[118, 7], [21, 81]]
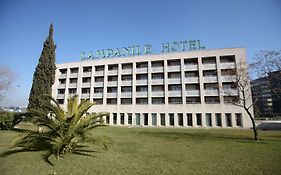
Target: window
[[85, 90], [60, 101], [126, 89], [130, 118], [218, 119], [141, 76], [141, 88], [141, 100], [98, 90], [157, 76], [107, 120], [98, 101], [145, 117], [228, 119], [175, 100], [127, 66], [112, 67], [189, 119], [126, 101], [209, 60], [142, 65], [111, 101], [86, 80], [72, 91], [72, 80], [99, 68], [62, 81], [174, 87], [162, 119], [180, 119], [122, 118], [74, 70], [154, 119], [238, 117], [87, 69], [208, 119], [99, 79], [114, 118], [63, 71], [61, 91], [158, 100], [112, 78], [137, 118], [157, 64], [227, 58], [174, 62], [171, 117], [191, 61], [199, 119], [212, 100], [193, 100]]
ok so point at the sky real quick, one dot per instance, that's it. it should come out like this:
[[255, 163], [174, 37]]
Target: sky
[[81, 25]]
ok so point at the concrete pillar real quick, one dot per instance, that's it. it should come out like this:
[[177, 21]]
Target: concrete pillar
[[125, 118], [167, 119], [118, 118], [184, 118], [203, 120], [213, 120], [233, 122], [194, 120], [158, 119], [223, 121], [176, 120], [149, 116], [111, 119], [141, 119]]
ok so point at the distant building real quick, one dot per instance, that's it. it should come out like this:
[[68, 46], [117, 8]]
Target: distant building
[[267, 90], [174, 90]]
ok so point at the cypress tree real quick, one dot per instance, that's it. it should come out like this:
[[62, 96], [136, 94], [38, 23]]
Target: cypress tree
[[44, 75]]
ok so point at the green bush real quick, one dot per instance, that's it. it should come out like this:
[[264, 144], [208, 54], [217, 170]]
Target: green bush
[[9, 119]]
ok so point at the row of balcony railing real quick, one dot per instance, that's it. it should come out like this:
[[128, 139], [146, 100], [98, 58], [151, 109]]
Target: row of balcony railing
[[175, 68]]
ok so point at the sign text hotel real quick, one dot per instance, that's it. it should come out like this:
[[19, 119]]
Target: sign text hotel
[[179, 46]]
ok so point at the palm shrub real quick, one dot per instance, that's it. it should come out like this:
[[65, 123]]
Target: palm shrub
[[63, 131]]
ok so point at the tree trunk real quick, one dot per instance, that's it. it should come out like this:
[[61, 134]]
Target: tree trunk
[[253, 123]]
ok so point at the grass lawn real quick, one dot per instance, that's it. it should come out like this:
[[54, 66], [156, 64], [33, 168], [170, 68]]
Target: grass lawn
[[159, 151]]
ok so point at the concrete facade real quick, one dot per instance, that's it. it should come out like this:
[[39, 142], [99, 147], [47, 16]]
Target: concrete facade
[[181, 89]]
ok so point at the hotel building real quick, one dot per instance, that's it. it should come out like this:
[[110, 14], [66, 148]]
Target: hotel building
[[179, 89]]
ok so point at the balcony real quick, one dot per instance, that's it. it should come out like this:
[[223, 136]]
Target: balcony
[[127, 71], [61, 86], [190, 67], [209, 66], [126, 94], [112, 83], [87, 74], [85, 96], [141, 70], [157, 69], [62, 75], [230, 92], [126, 83], [158, 94], [192, 80], [192, 93], [60, 96], [174, 93], [211, 92], [141, 94], [174, 80], [210, 79], [112, 95], [141, 82], [86, 84], [99, 73], [157, 81], [230, 65], [72, 85], [174, 68], [97, 95], [228, 78], [98, 84], [73, 75], [112, 72]]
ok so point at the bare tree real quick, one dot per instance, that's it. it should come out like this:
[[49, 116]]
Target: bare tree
[[239, 93], [7, 78]]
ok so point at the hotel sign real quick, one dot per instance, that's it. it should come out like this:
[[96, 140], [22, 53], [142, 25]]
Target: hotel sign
[[146, 49]]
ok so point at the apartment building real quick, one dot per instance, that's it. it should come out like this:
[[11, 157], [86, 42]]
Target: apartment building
[[180, 89]]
